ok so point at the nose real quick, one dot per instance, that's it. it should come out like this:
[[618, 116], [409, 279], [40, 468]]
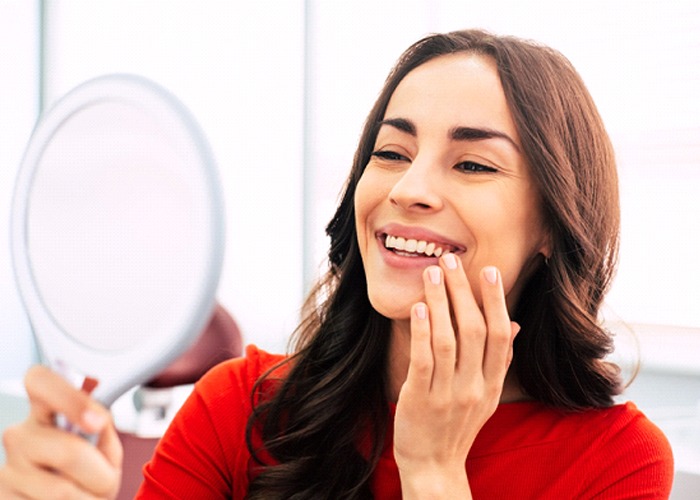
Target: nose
[[417, 190]]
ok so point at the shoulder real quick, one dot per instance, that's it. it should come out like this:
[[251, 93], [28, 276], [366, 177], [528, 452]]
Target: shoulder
[[203, 454], [624, 453], [628, 421], [237, 375], [222, 399], [624, 430], [625, 427]]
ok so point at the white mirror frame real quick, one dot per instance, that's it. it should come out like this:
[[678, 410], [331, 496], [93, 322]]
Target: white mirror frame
[[117, 371]]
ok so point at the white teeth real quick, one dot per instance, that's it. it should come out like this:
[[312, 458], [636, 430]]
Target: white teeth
[[413, 246]]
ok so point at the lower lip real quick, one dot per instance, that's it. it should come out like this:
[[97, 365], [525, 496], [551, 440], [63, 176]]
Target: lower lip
[[404, 261]]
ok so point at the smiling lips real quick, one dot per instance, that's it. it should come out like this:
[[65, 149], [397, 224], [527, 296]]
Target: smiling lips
[[415, 248]]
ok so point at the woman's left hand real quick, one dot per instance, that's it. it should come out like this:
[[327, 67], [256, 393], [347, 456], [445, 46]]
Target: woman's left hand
[[459, 357]]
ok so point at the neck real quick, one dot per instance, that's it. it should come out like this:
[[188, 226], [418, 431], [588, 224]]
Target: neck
[[399, 359]]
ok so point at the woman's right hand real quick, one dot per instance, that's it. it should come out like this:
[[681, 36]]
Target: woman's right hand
[[460, 352], [43, 461]]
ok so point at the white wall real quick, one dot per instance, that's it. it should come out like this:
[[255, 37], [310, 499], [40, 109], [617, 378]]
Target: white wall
[[19, 101]]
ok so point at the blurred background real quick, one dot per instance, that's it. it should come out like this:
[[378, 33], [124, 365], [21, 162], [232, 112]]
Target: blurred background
[[281, 88]]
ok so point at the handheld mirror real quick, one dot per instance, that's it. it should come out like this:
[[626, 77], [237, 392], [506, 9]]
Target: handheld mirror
[[116, 232]]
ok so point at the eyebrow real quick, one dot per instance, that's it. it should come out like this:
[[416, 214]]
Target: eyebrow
[[458, 133]]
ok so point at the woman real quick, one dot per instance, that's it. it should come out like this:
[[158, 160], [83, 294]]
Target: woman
[[458, 323]]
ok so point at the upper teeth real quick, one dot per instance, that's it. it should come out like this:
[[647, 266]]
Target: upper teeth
[[413, 246]]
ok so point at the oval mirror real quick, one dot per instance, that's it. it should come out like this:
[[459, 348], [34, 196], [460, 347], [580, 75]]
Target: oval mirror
[[117, 232]]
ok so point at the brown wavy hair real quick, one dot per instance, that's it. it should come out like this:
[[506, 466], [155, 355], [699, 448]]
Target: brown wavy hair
[[316, 422]]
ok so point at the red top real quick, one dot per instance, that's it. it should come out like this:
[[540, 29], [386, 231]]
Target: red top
[[525, 450]]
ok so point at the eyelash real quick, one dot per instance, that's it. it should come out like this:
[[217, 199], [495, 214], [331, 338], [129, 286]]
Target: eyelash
[[465, 166], [389, 155], [475, 168]]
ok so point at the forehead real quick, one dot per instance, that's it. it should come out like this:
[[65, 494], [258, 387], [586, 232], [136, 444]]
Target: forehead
[[462, 89]]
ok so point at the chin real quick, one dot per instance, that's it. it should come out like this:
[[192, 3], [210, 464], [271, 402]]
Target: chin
[[394, 307]]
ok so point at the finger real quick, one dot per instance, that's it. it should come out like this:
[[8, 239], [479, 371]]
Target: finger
[[110, 446], [468, 318], [443, 342], [37, 447], [5, 492], [49, 393], [499, 338], [420, 368], [37, 485]]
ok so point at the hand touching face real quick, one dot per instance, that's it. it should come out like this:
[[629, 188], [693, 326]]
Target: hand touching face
[[459, 357]]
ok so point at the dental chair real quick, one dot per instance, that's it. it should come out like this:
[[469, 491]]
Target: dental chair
[[153, 405]]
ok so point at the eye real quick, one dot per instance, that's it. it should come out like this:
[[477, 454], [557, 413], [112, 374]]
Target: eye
[[389, 155], [473, 167]]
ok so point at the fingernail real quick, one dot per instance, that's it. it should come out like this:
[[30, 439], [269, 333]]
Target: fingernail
[[491, 274], [421, 311], [434, 275], [92, 420], [89, 385], [450, 260]]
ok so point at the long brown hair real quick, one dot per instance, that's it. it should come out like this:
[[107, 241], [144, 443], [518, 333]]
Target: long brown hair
[[316, 422]]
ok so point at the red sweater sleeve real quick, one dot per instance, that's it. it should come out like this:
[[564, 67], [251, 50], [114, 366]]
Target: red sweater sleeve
[[203, 453]]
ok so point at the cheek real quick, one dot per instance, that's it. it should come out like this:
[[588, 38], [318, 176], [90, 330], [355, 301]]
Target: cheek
[[369, 193], [361, 203], [522, 261], [510, 238]]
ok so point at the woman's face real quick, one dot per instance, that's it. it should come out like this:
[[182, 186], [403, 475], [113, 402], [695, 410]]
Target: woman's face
[[446, 175]]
